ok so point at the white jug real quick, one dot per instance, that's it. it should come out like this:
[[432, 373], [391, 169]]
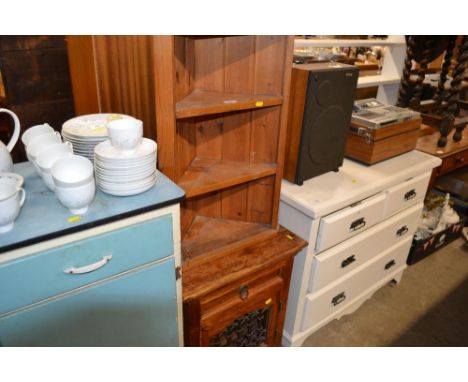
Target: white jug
[[6, 163]]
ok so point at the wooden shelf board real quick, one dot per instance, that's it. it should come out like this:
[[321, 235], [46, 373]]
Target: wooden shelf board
[[210, 235], [201, 102], [207, 175], [208, 273], [378, 79]]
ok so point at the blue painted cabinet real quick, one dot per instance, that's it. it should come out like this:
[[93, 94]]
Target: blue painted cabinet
[[106, 279], [134, 309]]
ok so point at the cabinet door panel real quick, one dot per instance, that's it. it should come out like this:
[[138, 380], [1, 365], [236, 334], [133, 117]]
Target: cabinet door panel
[[34, 278], [135, 309]]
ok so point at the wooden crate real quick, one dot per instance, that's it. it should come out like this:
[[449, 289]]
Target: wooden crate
[[371, 146]]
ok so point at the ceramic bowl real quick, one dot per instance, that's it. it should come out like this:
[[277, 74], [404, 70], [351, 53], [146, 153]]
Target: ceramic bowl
[[11, 200], [77, 198], [72, 171], [125, 134], [34, 132]]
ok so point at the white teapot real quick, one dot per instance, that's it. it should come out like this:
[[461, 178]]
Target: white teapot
[[6, 163]]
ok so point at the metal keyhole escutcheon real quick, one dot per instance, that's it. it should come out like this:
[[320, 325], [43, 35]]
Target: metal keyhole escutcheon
[[244, 292]]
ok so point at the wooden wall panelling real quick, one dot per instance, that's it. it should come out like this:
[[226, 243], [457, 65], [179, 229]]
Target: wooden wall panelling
[[184, 66], [234, 203], [209, 140], [269, 70], [209, 63], [239, 64], [209, 205], [239, 78], [185, 145], [264, 139], [260, 200], [82, 64], [113, 74]]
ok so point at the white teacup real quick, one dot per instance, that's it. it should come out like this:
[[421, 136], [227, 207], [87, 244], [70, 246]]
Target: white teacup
[[15, 180], [125, 134], [76, 198], [48, 157], [11, 200], [39, 143], [72, 171], [34, 132]]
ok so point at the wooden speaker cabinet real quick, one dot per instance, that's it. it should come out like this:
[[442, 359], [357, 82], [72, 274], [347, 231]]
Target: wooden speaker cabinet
[[320, 107]]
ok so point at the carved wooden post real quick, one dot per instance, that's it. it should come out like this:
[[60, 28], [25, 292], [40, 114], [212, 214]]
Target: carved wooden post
[[456, 85], [440, 94], [418, 85], [404, 93]]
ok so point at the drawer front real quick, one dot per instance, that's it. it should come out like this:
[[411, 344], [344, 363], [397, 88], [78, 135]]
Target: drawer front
[[349, 221], [337, 296], [342, 259], [453, 162], [406, 193], [34, 278]]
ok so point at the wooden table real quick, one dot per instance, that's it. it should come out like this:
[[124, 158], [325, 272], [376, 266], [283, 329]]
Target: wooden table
[[454, 155]]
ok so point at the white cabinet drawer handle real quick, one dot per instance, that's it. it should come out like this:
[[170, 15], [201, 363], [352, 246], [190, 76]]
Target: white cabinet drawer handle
[[90, 267]]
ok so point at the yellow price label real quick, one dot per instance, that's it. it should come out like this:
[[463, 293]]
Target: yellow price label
[[289, 237], [74, 219], [268, 302], [100, 129], [259, 103]]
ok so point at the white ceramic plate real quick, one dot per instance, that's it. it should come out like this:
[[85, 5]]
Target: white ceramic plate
[[127, 192], [90, 125], [105, 150]]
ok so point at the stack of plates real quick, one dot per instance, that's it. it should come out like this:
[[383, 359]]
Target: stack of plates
[[125, 174], [87, 131]]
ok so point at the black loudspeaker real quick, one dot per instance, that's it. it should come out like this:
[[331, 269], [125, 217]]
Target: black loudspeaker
[[320, 107]]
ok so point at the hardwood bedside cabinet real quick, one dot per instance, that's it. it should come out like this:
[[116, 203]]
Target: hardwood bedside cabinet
[[244, 304]]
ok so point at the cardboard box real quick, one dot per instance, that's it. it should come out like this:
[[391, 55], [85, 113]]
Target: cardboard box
[[369, 145]]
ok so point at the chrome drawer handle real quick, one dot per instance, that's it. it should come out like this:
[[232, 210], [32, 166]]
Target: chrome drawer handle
[[410, 194], [90, 267]]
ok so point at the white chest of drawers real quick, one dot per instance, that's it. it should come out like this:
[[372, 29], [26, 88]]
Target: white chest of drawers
[[359, 223]]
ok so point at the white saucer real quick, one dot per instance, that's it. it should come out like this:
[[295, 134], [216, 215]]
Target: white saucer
[[105, 150]]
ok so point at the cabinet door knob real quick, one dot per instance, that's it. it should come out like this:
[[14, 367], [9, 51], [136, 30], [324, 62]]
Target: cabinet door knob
[[90, 267], [244, 292]]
